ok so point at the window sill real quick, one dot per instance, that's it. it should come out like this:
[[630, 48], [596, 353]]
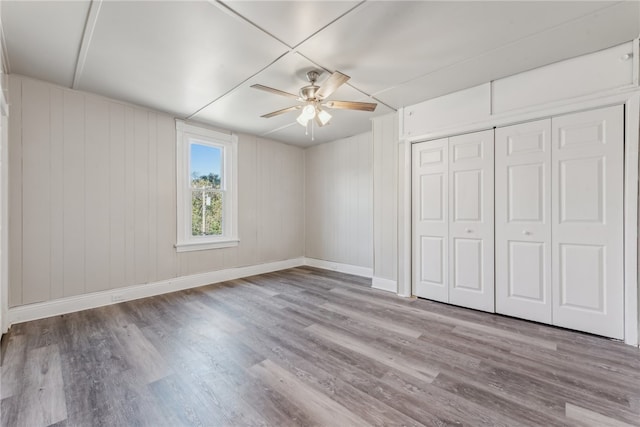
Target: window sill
[[202, 246]]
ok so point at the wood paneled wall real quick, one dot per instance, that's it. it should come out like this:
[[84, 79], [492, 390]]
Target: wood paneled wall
[[385, 197], [339, 201], [92, 197]]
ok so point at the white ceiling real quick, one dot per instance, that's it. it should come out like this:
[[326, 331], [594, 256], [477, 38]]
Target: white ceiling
[[198, 59]]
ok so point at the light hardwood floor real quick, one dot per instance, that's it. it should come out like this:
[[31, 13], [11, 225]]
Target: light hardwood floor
[[313, 348]]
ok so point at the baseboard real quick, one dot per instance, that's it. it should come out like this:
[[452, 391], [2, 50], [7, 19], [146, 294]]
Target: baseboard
[[342, 268], [384, 284], [60, 306]]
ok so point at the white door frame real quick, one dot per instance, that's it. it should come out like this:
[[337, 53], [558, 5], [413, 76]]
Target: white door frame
[[630, 98]]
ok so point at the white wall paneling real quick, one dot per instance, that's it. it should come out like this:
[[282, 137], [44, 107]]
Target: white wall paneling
[[73, 184], [36, 191], [523, 220], [587, 214], [96, 208], [474, 104], [4, 210], [15, 194], [385, 202], [92, 197], [339, 201], [57, 194]]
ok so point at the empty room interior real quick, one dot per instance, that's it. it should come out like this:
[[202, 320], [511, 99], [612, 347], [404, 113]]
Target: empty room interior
[[319, 213]]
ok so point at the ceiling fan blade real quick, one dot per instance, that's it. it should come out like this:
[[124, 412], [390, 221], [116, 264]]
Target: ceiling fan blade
[[350, 105], [276, 91], [334, 81], [284, 110]]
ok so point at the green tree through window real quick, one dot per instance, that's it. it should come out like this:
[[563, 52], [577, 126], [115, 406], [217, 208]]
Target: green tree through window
[[206, 205]]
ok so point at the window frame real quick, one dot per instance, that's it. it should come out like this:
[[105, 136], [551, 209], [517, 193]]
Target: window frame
[[186, 135]]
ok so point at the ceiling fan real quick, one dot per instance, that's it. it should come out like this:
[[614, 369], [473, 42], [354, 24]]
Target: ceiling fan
[[314, 97]]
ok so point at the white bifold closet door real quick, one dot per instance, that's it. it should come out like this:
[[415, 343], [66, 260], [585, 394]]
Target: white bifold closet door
[[523, 220], [587, 221], [559, 221], [430, 219], [471, 235], [452, 218]]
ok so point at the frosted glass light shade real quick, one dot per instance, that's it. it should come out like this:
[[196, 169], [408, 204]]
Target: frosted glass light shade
[[324, 117], [308, 113]]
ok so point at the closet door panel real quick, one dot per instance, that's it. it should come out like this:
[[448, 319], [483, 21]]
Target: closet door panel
[[471, 282], [429, 219], [588, 221], [467, 264], [523, 220]]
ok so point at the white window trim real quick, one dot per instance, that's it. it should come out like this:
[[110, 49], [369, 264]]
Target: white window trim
[[185, 241]]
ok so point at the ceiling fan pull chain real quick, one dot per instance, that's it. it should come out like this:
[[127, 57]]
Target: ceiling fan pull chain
[[313, 138]]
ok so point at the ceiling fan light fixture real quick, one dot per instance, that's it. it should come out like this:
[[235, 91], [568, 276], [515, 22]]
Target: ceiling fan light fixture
[[308, 113], [314, 97], [323, 116], [302, 120]]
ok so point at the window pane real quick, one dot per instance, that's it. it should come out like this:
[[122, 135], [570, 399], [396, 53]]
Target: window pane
[[206, 213], [205, 166]]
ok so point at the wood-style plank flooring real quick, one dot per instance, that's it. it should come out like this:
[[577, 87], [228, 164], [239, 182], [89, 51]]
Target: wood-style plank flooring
[[312, 348]]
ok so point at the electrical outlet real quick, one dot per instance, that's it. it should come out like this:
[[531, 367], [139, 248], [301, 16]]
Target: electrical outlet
[[117, 298]]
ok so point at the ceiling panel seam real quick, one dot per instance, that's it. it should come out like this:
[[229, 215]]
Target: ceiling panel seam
[[237, 14], [495, 49], [227, 9], [87, 35], [290, 49], [331, 23], [238, 85]]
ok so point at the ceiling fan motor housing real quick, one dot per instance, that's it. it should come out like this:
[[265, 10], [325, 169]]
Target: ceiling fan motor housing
[[308, 93]]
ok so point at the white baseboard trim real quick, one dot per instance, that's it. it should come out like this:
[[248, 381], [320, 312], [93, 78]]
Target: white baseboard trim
[[342, 268], [60, 306], [384, 284]]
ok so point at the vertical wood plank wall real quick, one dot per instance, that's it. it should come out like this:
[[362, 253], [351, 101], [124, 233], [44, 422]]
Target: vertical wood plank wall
[[339, 201], [385, 197], [92, 197]]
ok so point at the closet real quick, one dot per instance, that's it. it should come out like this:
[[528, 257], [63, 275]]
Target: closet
[[551, 224], [453, 220]]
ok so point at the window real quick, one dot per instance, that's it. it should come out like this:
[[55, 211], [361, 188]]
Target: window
[[207, 188]]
